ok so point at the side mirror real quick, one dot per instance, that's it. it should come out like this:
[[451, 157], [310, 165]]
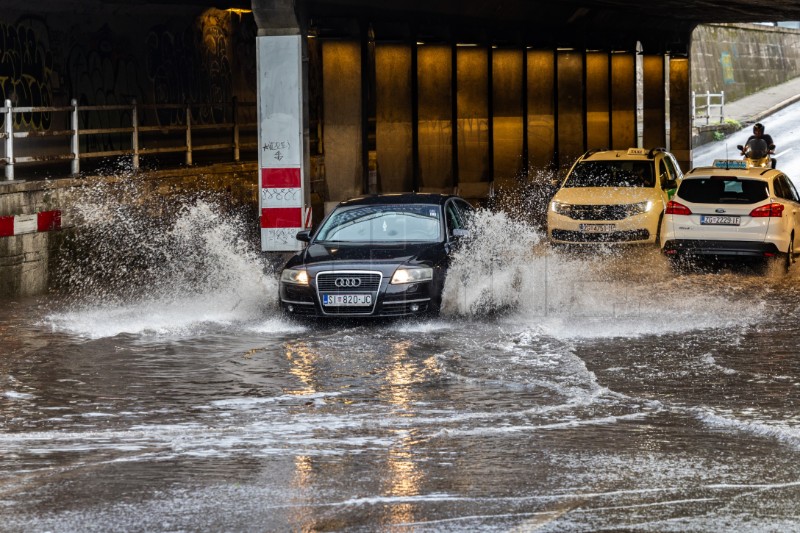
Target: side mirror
[[670, 184], [459, 233], [303, 236], [740, 147]]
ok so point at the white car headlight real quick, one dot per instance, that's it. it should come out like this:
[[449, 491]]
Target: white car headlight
[[412, 275], [296, 276], [560, 208]]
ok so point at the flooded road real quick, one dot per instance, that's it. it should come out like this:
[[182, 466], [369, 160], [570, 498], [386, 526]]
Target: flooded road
[[558, 392]]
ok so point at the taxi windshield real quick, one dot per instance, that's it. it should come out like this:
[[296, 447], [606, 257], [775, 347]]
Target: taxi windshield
[[383, 223], [611, 174]]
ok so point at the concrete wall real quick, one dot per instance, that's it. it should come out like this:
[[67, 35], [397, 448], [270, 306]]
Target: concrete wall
[[741, 59], [28, 261]]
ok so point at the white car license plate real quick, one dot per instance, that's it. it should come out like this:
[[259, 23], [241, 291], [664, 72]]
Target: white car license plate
[[346, 300], [720, 220], [596, 228]]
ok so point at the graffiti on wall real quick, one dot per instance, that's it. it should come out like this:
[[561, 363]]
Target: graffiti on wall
[[26, 70], [197, 61]]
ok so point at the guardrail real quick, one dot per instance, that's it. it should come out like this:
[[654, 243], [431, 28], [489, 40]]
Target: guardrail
[[184, 132], [714, 106]]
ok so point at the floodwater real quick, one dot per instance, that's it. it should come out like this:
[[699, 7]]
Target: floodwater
[[558, 392]]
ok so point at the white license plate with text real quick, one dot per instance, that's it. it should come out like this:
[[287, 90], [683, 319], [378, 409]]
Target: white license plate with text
[[597, 228], [346, 300]]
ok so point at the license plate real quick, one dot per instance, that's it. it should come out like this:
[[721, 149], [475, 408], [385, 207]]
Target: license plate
[[596, 228], [720, 220], [346, 300]]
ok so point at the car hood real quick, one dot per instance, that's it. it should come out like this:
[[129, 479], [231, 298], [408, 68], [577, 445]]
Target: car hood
[[375, 254], [606, 195]]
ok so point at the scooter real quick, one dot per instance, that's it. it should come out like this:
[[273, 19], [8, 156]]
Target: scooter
[[757, 154]]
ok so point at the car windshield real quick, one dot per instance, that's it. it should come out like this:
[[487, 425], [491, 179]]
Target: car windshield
[[611, 174], [723, 190], [383, 223]]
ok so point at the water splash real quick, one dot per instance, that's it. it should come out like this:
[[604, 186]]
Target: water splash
[[507, 266], [142, 261]]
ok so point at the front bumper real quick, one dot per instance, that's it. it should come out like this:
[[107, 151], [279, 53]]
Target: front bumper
[[389, 300], [640, 228]]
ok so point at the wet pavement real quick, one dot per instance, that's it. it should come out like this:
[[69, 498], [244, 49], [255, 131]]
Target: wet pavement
[[589, 393]]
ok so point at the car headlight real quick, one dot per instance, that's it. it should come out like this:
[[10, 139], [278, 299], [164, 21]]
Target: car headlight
[[560, 208], [412, 275], [641, 207], [296, 276]]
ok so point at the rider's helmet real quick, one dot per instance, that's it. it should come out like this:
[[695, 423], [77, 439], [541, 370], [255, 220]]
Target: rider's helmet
[[758, 127]]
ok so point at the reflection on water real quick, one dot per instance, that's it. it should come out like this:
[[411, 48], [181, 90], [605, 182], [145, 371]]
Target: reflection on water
[[561, 392]]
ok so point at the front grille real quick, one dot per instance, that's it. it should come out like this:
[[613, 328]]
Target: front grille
[[603, 212], [367, 281], [613, 236]]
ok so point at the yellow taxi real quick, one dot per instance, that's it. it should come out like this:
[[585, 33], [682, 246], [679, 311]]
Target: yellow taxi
[[613, 196]]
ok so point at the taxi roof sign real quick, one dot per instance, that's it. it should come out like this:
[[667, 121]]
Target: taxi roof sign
[[730, 164], [637, 151]]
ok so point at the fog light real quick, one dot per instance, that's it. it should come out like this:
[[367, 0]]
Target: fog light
[[414, 308], [290, 308]]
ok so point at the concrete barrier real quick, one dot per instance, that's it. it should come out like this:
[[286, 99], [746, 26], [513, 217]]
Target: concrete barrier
[[29, 254]]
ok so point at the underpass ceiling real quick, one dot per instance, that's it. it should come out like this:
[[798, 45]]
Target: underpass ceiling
[[658, 24]]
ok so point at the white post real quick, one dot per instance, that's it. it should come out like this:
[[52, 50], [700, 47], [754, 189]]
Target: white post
[[135, 134], [9, 141], [722, 106], [75, 140], [188, 134], [708, 107]]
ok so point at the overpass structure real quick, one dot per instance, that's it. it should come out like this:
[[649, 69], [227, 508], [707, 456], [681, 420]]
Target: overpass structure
[[386, 96], [443, 95]]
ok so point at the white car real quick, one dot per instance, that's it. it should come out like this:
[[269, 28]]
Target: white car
[[613, 196], [730, 211]]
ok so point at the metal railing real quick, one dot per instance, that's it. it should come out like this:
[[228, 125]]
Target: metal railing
[[712, 106], [185, 133]]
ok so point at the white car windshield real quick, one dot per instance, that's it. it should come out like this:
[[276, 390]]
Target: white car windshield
[[383, 223], [611, 174]]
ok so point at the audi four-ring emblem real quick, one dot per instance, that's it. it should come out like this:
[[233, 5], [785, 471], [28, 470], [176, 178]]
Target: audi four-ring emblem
[[347, 282]]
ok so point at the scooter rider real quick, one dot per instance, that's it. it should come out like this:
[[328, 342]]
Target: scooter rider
[[758, 133], [759, 145]]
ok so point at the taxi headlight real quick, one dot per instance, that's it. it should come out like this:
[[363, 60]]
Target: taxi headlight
[[560, 208], [641, 207], [296, 276], [412, 275]]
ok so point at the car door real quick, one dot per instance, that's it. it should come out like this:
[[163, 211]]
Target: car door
[[792, 202]]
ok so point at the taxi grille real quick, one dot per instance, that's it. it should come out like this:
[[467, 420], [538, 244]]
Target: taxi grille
[[614, 236], [603, 212]]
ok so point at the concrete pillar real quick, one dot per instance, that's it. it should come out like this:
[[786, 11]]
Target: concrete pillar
[[654, 101], [541, 108], [435, 125], [598, 134], [393, 129], [680, 122], [472, 119], [623, 100], [283, 157], [342, 119], [570, 97], [508, 123]]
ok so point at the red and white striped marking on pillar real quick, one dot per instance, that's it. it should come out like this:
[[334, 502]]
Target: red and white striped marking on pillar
[[282, 211], [39, 222]]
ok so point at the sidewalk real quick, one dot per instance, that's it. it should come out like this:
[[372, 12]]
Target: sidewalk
[[755, 107]]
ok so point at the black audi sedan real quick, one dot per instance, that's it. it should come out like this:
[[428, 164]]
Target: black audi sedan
[[376, 256]]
